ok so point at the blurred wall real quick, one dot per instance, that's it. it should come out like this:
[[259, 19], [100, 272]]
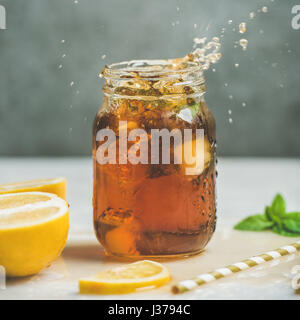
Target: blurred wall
[[50, 44]]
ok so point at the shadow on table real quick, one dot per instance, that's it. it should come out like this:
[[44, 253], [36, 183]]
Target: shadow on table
[[84, 252]]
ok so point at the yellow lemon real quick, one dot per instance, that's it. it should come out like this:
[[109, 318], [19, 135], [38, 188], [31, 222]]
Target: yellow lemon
[[56, 186], [126, 279], [33, 231]]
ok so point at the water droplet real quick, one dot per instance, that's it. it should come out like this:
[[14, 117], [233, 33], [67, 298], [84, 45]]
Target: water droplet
[[72, 83], [64, 55], [281, 85], [244, 104], [63, 41], [200, 40], [244, 44], [177, 8], [70, 130], [226, 85], [230, 96], [213, 70], [103, 56], [71, 107], [229, 111], [177, 22], [75, 1], [289, 51], [236, 65], [60, 66], [242, 27], [264, 9], [251, 15], [77, 92], [195, 26], [261, 31], [173, 24], [230, 120], [229, 21]]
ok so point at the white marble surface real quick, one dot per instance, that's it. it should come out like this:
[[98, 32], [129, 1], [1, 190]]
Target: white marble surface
[[244, 187]]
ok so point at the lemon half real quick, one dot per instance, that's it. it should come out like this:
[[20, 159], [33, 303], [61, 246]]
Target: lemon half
[[56, 186], [126, 279], [33, 231]]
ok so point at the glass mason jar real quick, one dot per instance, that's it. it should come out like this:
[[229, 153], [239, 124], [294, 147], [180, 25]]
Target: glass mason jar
[[147, 203]]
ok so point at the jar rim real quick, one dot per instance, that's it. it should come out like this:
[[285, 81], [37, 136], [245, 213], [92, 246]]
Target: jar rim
[[150, 69]]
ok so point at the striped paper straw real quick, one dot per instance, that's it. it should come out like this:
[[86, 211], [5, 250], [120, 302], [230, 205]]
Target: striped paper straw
[[188, 285]]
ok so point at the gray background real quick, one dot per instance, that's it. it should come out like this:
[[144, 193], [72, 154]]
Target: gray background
[[42, 115]]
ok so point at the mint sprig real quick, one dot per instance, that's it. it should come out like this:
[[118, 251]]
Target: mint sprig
[[274, 218]]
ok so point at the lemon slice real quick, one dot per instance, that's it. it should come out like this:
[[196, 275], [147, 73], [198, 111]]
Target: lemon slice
[[126, 279], [56, 186], [33, 231]]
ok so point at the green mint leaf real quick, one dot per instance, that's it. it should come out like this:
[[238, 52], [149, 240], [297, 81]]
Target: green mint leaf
[[278, 206], [267, 213], [257, 222], [293, 215], [271, 216], [194, 109], [284, 232], [291, 225]]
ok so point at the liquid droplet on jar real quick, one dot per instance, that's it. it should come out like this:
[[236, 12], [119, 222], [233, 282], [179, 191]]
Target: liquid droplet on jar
[[264, 9], [242, 27], [230, 97], [72, 83], [236, 65], [229, 111], [244, 44], [195, 26], [244, 104], [103, 56], [251, 15], [230, 21], [60, 66], [230, 120]]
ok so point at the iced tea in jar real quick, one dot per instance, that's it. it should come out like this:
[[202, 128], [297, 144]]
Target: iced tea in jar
[[154, 142]]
